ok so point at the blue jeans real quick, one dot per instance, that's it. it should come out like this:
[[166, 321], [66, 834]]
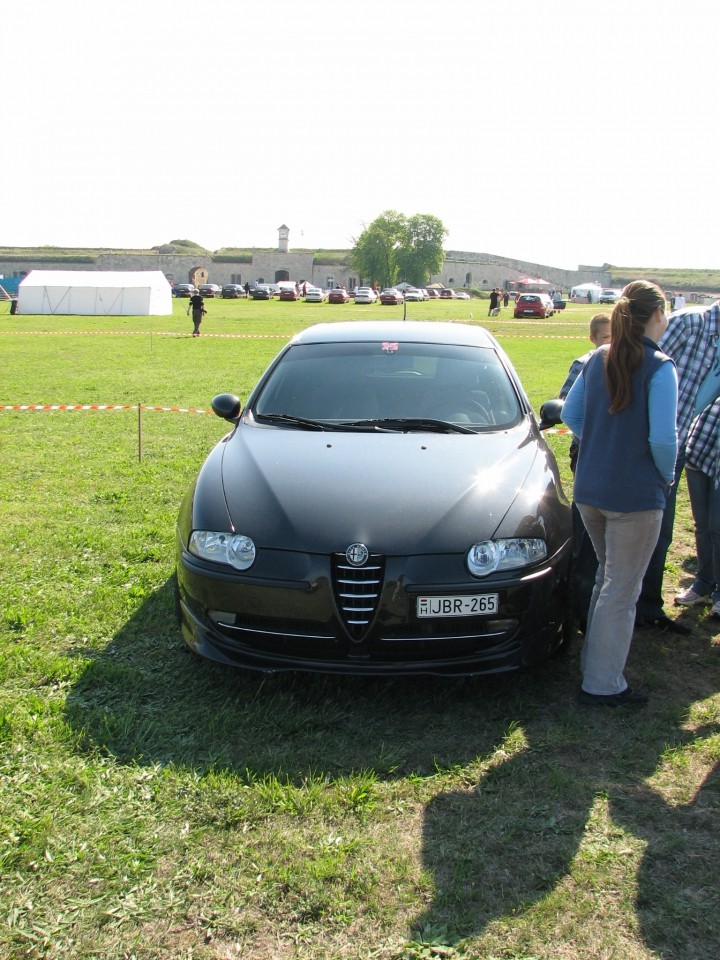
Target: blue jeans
[[650, 602], [624, 543], [705, 504]]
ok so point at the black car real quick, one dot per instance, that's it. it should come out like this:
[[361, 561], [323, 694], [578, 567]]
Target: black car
[[184, 290], [233, 291], [384, 504], [209, 290], [262, 291]]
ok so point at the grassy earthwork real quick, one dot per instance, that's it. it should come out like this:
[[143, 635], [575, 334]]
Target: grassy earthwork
[[154, 806]]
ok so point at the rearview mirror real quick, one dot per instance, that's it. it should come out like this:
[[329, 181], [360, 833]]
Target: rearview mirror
[[551, 414], [227, 406]]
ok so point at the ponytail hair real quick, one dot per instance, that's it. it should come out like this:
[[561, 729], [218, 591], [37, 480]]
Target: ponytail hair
[[639, 301]]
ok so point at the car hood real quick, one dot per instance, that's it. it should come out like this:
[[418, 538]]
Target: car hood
[[397, 493]]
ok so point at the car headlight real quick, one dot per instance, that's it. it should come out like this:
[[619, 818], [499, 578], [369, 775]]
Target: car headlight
[[232, 548], [511, 554]]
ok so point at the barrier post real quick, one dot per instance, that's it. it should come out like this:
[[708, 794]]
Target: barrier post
[[139, 433]]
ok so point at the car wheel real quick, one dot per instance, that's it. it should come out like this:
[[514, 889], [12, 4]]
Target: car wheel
[[568, 635]]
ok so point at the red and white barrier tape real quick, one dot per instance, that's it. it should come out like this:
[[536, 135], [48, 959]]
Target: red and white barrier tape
[[134, 406], [96, 406]]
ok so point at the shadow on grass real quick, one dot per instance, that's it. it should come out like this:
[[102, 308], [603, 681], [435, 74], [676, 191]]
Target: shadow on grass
[[549, 799], [146, 699], [549, 828]]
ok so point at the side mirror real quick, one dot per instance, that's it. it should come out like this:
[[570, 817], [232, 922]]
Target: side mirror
[[227, 406], [551, 413]]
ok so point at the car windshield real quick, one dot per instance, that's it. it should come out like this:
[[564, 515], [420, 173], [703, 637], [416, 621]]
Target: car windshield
[[388, 384]]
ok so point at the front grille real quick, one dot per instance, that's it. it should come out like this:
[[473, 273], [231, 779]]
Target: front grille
[[357, 591]]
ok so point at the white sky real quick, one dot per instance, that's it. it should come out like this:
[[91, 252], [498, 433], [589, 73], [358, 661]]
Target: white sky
[[566, 132]]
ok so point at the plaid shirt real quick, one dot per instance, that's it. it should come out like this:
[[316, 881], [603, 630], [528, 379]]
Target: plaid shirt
[[703, 442], [691, 341]]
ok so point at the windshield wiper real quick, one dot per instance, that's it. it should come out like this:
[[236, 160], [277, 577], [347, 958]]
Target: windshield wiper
[[412, 424], [295, 421]]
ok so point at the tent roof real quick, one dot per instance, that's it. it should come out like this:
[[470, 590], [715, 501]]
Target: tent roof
[[587, 286], [93, 278]]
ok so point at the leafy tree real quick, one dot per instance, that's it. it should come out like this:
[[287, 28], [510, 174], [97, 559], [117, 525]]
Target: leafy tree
[[374, 254], [394, 248], [422, 254]]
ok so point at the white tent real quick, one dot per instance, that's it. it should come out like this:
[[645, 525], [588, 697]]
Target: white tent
[[94, 293], [586, 293]]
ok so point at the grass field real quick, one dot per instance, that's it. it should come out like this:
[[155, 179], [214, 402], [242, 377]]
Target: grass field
[[154, 806]]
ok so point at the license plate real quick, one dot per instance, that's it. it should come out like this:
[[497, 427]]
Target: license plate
[[467, 606]]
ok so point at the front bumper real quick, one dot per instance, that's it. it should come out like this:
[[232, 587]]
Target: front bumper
[[293, 620]]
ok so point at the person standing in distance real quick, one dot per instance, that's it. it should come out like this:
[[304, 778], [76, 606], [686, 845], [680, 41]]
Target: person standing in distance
[[197, 304], [623, 408]]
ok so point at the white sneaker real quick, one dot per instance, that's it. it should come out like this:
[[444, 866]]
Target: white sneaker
[[688, 598], [715, 612]]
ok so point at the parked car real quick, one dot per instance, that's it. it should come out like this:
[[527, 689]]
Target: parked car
[[609, 296], [290, 293], [184, 290], [262, 291], [315, 295], [338, 295], [365, 295], [390, 296], [462, 294], [447, 294], [231, 291], [209, 290], [558, 302], [293, 555], [533, 305], [433, 293], [413, 294]]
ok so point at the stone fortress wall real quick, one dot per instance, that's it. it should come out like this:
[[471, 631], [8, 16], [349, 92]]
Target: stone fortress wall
[[461, 269]]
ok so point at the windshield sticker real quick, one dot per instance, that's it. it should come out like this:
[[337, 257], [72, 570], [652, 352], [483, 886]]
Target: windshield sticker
[[389, 346]]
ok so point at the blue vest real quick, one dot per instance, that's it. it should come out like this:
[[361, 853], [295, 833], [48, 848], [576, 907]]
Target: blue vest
[[615, 468]]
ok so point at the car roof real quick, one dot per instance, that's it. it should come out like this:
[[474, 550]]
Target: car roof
[[409, 331]]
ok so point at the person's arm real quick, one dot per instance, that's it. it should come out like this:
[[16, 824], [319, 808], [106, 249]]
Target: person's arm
[[662, 411], [575, 368], [573, 410]]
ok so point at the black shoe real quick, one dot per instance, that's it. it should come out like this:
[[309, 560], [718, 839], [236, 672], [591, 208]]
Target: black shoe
[[663, 624], [628, 698]]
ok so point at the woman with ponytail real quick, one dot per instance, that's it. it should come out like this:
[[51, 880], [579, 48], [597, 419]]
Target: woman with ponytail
[[623, 408]]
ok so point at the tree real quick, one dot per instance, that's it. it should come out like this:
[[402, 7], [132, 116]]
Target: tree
[[394, 248], [423, 254]]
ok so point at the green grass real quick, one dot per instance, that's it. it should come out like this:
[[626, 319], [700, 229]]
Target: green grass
[[156, 806]]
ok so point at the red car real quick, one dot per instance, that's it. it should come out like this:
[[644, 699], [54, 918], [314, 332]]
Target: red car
[[447, 295], [391, 296], [339, 295], [290, 293], [533, 305]]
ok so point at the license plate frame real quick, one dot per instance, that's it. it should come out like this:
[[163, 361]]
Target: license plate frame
[[432, 607]]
